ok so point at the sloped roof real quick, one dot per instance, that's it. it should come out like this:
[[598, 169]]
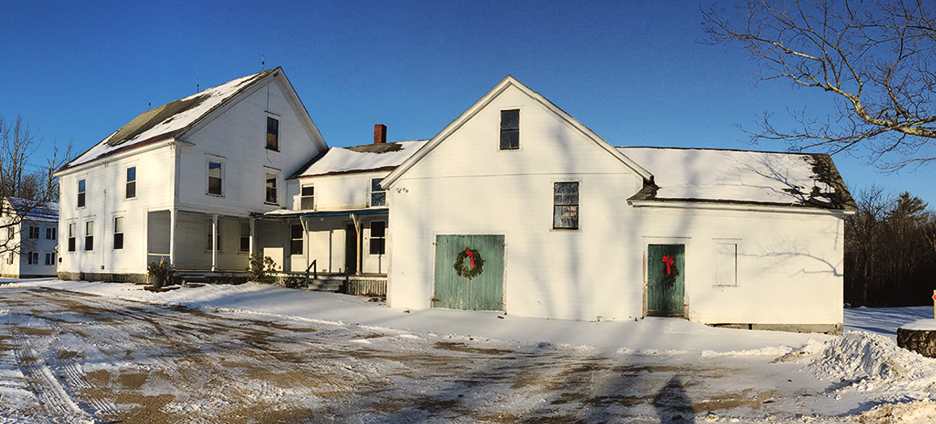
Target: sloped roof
[[508, 82], [35, 211], [168, 120], [365, 158], [740, 176]]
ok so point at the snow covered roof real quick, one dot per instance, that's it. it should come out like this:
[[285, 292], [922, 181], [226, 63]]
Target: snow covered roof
[[737, 176], [168, 120], [369, 157], [35, 210]]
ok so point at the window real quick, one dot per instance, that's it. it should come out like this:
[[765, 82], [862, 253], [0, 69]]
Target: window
[[378, 196], [726, 264], [307, 201], [11, 232], [131, 182], [50, 233], [271, 187], [510, 129], [295, 240], [208, 245], [81, 193], [89, 235], [71, 236], [33, 232], [244, 237], [272, 141], [215, 175], [10, 259], [565, 205], [378, 237], [118, 232], [50, 258]]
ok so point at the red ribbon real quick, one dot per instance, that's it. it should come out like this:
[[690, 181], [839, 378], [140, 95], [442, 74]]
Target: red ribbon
[[669, 261], [470, 256]]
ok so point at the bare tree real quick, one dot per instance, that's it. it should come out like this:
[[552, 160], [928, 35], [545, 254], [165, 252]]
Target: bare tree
[[24, 195], [876, 58]]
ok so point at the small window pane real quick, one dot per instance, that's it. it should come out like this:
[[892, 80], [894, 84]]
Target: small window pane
[[307, 201], [270, 188], [131, 182], [244, 237], [118, 224], [295, 245], [510, 129], [214, 178], [272, 141], [565, 205], [378, 194]]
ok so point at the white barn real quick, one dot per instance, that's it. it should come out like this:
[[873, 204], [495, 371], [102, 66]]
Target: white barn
[[570, 227], [184, 182]]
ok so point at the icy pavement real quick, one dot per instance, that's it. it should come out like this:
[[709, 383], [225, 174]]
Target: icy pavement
[[255, 353]]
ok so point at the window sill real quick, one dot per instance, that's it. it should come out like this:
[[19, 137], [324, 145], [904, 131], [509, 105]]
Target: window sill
[[273, 150], [270, 204], [214, 195]]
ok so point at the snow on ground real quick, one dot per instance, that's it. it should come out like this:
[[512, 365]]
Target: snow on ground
[[859, 376]]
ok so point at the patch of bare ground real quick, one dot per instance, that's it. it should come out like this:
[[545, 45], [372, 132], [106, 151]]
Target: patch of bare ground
[[144, 409], [36, 331], [267, 413], [461, 347], [66, 355]]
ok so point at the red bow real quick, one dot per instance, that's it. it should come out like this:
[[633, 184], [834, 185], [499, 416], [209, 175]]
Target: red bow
[[669, 261], [470, 256]]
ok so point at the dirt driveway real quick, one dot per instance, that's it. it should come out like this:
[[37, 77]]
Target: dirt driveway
[[81, 358]]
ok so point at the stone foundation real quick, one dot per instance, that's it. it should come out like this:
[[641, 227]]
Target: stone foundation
[[101, 276], [919, 341], [833, 329]]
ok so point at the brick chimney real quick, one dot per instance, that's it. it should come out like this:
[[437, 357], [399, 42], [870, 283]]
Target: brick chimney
[[380, 133]]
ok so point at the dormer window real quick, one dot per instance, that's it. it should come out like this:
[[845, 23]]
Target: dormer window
[[510, 129], [272, 140]]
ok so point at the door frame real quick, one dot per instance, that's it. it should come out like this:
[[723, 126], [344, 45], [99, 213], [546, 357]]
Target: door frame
[[647, 241]]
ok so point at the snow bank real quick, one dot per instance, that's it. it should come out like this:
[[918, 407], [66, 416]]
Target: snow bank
[[864, 361]]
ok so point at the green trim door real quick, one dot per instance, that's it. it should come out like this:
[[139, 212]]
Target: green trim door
[[666, 278], [483, 292]]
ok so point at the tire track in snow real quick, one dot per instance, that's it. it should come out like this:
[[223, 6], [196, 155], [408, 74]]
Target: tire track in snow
[[51, 394]]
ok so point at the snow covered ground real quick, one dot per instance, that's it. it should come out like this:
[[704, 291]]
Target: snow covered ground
[[375, 364]]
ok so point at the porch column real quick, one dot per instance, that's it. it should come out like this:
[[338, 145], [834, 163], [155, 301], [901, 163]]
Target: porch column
[[253, 243], [173, 218], [214, 242], [358, 243]]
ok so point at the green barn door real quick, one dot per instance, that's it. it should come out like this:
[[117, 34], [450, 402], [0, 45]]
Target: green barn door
[[485, 290], [666, 278]]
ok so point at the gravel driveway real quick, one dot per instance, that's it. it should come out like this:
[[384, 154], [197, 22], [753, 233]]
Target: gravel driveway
[[81, 358]]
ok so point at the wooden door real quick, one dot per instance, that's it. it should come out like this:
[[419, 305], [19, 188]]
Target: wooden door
[[483, 291], [666, 278]]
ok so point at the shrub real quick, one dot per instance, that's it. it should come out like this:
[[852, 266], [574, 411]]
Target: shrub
[[261, 268]]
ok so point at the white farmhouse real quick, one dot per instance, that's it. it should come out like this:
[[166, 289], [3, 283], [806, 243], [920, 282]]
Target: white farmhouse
[[338, 214], [28, 235], [183, 181], [517, 207]]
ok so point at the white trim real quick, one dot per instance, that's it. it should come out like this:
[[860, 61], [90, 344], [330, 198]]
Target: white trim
[[737, 207]]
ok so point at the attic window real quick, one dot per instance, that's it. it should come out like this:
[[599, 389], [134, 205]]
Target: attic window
[[378, 194], [81, 193], [272, 139], [510, 130]]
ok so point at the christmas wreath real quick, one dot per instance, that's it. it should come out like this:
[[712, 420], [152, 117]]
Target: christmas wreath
[[671, 271], [475, 261]]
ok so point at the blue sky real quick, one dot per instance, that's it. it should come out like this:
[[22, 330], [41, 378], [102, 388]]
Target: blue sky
[[632, 71]]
